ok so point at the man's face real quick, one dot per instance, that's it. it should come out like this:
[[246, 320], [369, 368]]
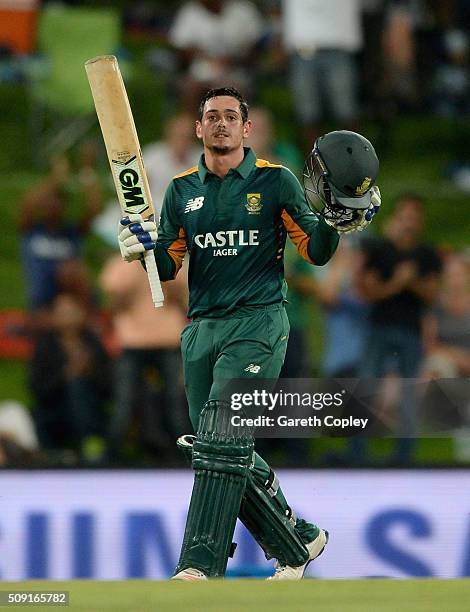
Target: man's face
[[68, 313], [409, 219], [221, 128]]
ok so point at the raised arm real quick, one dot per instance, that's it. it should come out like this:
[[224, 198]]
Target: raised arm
[[314, 239]]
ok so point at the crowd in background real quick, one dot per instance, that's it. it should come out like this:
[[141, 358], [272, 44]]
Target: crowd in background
[[340, 60], [105, 374]]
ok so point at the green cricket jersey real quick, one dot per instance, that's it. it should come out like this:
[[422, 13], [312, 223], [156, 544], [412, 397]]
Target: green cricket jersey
[[235, 230]]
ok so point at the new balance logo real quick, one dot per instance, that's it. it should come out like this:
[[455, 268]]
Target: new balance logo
[[194, 204], [254, 369]]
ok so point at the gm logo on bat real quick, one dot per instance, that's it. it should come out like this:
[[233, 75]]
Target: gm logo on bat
[[130, 187]]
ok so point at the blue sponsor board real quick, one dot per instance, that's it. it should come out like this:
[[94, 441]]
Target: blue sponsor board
[[117, 525]]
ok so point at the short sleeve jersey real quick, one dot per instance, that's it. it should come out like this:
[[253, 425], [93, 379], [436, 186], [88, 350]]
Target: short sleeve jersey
[[235, 230]]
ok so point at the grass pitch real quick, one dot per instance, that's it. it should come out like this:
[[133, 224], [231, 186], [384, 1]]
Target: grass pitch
[[254, 596]]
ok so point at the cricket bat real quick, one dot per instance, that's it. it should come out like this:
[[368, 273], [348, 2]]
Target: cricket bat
[[123, 148]]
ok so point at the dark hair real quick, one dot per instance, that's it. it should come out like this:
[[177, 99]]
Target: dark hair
[[225, 91]]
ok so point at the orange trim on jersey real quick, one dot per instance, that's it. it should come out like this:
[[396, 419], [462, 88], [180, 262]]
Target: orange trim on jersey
[[263, 163], [297, 235], [177, 250], [186, 172]]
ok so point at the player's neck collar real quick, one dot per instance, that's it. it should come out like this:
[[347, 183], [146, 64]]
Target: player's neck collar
[[242, 169]]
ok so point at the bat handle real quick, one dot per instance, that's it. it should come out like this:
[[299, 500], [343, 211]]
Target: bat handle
[[154, 279]]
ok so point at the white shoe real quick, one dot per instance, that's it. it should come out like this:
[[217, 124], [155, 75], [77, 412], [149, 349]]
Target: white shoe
[[315, 549], [189, 574]]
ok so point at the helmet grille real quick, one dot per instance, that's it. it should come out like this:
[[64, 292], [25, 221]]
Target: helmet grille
[[318, 192]]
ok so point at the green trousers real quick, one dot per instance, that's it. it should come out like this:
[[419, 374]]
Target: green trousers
[[251, 343]]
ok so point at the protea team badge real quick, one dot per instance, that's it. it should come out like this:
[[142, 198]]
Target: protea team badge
[[364, 187], [253, 203]]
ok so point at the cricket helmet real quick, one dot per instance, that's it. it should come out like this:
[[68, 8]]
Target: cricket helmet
[[339, 173]]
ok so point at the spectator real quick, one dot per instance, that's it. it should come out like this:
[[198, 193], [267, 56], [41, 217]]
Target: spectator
[[216, 40], [346, 312], [322, 39], [399, 42], [263, 141], [74, 278], [452, 82], [69, 377], [148, 370], [371, 58], [48, 239], [447, 328], [163, 160], [147, 19], [170, 156], [451, 98], [446, 402], [400, 279], [346, 324]]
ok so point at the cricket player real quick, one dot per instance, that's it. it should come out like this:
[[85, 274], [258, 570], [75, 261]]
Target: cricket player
[[232, 213]]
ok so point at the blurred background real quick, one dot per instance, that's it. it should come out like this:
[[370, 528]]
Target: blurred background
[[90, 373]]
